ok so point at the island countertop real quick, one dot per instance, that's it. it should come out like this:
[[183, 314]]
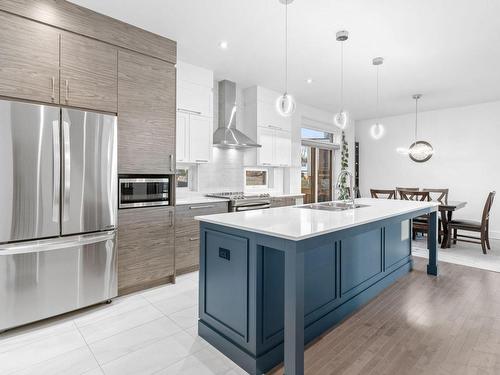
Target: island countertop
[[298, 223]]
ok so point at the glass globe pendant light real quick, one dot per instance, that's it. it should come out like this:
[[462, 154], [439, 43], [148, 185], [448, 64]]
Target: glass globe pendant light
[[341, 119], [285, 104], [377, 130], [419, 151]]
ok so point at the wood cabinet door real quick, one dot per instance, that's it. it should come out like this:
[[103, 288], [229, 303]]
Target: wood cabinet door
[[146, 241], [89, 71], [182, 137], [146, 114], [29, 60], [200, 138], [187, 233]]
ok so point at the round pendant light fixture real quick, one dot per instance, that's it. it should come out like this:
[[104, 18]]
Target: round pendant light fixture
[[377, 130], [419, 151], [285, 104], [341, 118]]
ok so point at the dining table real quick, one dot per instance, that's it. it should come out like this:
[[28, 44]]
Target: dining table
[[447, 209]]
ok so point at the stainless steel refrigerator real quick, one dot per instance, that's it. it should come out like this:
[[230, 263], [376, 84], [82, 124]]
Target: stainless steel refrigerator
[[58, 210]]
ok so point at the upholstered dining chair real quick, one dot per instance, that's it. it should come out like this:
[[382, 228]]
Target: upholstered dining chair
[[473, 226], [421, 223], [383, 193]]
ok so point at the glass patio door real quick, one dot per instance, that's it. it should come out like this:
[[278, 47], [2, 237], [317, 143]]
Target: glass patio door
[[316, 174]]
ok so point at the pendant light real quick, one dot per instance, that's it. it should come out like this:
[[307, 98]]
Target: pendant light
[[377, 130], [285, 104], [419, 151], [341, 119]]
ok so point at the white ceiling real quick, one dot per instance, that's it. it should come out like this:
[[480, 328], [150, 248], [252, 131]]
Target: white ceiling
[[448, 50]]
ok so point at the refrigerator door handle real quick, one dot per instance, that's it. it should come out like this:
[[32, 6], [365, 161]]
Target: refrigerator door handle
[[67, 171], [56, 184], [57, 244]]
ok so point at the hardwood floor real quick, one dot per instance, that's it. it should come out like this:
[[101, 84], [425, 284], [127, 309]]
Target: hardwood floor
[[420, 325]]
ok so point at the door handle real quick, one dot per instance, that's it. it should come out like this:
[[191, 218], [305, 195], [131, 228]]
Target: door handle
[[171, 159], [194, 238], [67, 171], [66, 83], [56, 173], [171, 216], [53, 81]]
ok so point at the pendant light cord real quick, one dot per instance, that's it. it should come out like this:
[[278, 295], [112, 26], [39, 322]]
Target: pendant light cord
[[378, 100], [341, 76], [416, 119], [286, 48]]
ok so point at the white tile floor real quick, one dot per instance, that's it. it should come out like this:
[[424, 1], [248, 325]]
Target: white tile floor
[[464, 253], [153, 332]]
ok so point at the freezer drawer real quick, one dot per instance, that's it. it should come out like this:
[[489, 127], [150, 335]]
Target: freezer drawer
[[29, 171], [41, 279], [89, 165]]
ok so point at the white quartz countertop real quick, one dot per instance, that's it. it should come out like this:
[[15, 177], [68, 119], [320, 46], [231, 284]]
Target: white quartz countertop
[[296, 223]]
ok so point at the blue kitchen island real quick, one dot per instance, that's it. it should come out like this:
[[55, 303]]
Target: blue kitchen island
[[273, 280]]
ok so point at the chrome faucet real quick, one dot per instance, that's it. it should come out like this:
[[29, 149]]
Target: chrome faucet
[[351, 188]]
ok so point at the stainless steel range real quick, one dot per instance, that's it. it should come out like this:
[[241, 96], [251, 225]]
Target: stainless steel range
[[239, 201]]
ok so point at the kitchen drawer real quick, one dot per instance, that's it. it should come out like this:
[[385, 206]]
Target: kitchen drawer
[[283, 201], [187, 233]]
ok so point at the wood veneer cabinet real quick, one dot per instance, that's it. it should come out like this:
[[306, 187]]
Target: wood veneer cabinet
[[89, 71], [146, 114], [187, 233], [145, 248], [29, 60]]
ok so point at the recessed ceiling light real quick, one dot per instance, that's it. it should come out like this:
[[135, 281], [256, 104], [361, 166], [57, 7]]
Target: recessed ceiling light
[[223, 44], [309, 80]]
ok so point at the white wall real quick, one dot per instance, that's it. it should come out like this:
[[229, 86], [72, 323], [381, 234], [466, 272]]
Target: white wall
[[314, 118], [466, 159]]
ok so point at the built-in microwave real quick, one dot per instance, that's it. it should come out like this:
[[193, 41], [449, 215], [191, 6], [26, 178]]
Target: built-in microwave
[[143, 191]]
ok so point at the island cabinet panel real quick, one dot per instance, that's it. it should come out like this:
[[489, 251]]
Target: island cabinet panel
[[226, 295], [320, 279], [361, 259], [146, 115], [397, 243], [145, 248], [29, 60], [187, 233], [89, 71]]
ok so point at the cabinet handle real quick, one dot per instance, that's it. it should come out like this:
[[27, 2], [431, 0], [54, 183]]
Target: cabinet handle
[[53, 81], [194, 238], [201, 161], [189, 111], [171, 159], [266, 163], [200, 207], [66, 84], [273, 127], [171, 216]]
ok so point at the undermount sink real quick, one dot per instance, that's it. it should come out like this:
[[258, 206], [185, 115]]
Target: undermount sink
[[332, 206]]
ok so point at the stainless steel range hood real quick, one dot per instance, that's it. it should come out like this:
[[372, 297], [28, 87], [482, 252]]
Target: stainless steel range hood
[[227, 136]]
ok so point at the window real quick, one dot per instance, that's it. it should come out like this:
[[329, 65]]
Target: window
[[256, 178], [182, 178]]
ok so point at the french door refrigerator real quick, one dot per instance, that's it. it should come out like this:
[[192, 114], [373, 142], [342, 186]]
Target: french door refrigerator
[[58, 210]]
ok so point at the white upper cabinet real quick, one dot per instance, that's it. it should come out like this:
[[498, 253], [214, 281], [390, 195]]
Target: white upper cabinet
[[194, 113], [272, 131]]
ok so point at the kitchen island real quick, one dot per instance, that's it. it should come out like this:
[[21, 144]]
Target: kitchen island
[[273, 280]]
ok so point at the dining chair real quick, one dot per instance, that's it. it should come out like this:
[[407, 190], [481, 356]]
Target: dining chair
[[399, 189], [438, 195], [383, 193], [473, 226], [441, 196], [421, 223]]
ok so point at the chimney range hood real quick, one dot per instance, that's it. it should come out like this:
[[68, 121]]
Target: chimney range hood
[[227, 136]]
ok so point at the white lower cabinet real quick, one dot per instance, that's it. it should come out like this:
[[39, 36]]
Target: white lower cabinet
[[193, 138], [276, 147]]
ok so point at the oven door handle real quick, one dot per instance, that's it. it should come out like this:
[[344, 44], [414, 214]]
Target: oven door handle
[[252, 207]]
